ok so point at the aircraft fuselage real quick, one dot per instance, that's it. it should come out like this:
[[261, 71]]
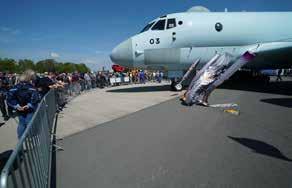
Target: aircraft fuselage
[[186, 37]]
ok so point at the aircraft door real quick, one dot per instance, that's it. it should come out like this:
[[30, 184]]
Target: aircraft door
[[170, 25]]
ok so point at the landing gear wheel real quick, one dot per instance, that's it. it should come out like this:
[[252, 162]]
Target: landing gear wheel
[[175, 86], [178, 87]]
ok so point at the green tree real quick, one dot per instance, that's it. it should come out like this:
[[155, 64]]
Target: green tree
[[82, 68], [69, 67], [8, 65], [25, 64], [47, 65], [59, 67]]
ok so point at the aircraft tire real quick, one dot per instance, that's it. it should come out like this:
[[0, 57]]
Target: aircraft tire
[[178, 87], [175, 86]]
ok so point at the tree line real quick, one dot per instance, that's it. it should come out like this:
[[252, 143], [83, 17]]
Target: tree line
[[48, 65]]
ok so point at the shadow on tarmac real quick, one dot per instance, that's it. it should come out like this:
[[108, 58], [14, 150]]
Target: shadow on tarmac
[[280, 88], [261, 148], [4, 156], [285, 102], [141, 89], [1, 124]]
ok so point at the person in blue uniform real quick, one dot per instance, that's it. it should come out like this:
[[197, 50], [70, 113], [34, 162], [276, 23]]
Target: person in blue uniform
[[24, 98]]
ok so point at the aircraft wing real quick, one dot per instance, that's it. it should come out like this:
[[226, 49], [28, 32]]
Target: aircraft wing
[[270, 47], [270, 55]]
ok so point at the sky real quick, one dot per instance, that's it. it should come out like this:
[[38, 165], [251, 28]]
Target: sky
[[85, 31]]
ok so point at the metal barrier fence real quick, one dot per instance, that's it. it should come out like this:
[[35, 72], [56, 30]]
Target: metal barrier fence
[[30, 163]]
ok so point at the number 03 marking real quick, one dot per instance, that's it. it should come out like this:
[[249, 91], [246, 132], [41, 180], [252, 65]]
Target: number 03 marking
[[155, 41]]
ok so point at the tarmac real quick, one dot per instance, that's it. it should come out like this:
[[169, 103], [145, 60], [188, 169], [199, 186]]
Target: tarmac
[[8, 136], [171, 145], [94, 107], [102, 105]]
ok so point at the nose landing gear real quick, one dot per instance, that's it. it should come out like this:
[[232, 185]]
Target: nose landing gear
[[176, 85]]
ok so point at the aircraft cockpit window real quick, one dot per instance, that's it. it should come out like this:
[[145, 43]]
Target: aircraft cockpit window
[[160, 25], [171, 23], [147, 27]]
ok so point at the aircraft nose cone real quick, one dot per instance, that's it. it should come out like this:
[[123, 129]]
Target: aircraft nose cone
[[123, 54]]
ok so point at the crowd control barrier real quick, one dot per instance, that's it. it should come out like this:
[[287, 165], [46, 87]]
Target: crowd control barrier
[[120, 80], [30, 163]]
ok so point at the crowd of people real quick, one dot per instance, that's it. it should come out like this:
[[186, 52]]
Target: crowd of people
[[20, 93], [140, 76]]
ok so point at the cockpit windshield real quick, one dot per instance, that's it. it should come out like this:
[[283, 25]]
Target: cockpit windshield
[[160, 25], [147, 27]]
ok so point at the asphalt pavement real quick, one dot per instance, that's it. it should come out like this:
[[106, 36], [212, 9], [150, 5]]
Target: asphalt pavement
[[171, 145], [102, 105]]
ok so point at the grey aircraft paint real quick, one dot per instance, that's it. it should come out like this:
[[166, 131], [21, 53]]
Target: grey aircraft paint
[[186, 37]]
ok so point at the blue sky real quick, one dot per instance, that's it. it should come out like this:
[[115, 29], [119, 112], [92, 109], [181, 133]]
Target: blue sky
[[87, 30]]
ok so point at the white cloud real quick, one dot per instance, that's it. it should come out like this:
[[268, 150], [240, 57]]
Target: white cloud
[[54, 55], [10, 30]]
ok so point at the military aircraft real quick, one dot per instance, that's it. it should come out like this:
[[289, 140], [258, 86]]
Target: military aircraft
[[174, 41]]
